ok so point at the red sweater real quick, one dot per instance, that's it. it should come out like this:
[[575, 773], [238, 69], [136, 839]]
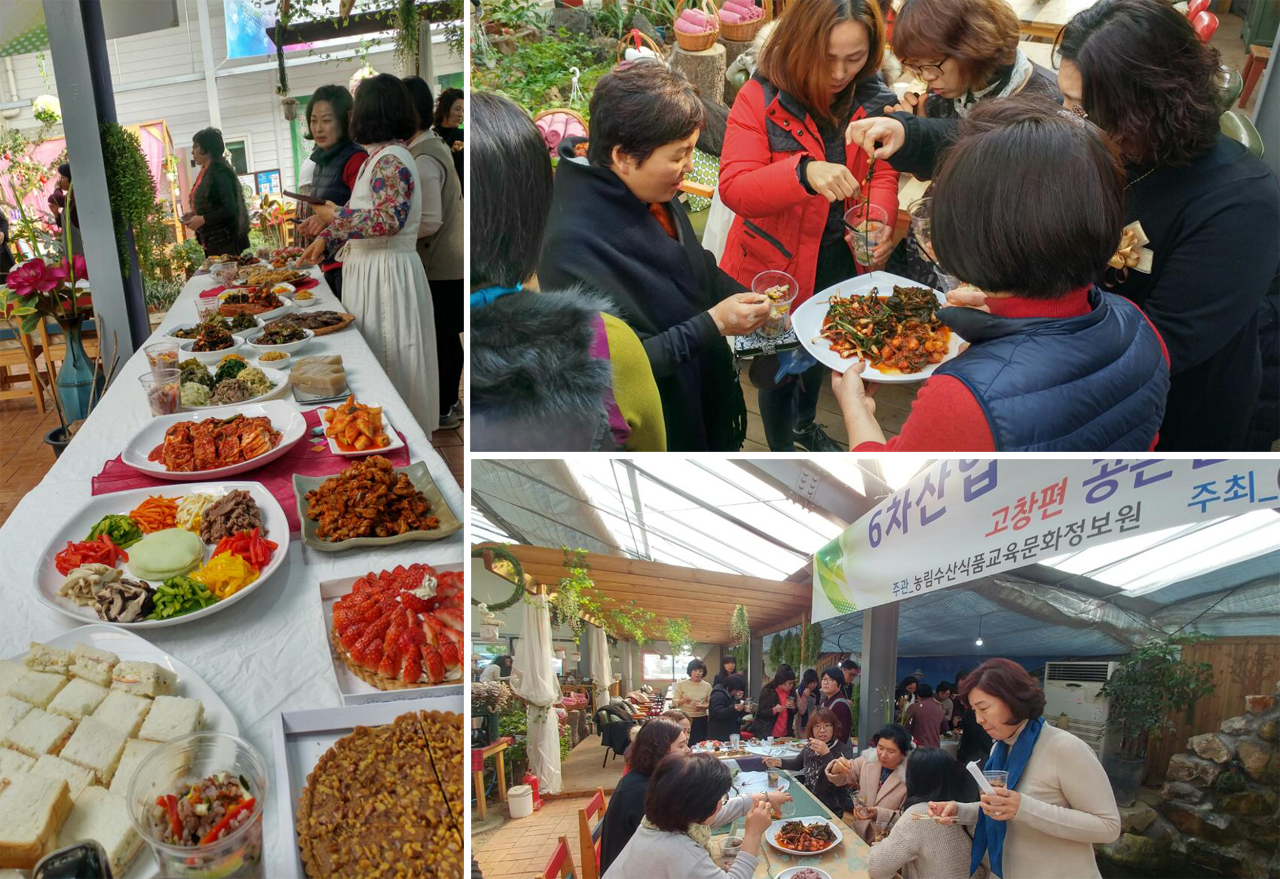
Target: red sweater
[[946, 416]]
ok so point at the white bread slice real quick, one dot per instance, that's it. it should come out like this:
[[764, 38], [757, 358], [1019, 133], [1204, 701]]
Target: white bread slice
[[10, 671], [32, 808], [143, 679], [122, 710], [45, 658], [77, 699], [11, 763], [39, 733], [135, 751], [11, 711], [36, 687], [93, 664], [96, 746], [76, 777], [103, 816], [172, 716]]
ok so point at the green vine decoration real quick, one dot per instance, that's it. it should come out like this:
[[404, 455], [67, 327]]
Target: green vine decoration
[[497, 552], [739, 626], [812, 644], [408, 28], [131, 188], [680, 635], [630, 621]]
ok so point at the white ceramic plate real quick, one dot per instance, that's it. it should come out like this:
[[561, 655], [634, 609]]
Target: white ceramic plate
[[285, 417], [814, 819], [278, 379], [287, 348], [208, 358], [181, 341], [758, 783], [808, 319], [787, 874], [76, 529], [396, 442], [131, 648]]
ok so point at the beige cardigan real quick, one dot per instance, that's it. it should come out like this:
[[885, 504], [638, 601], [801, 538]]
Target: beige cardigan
[[885, 801], [923, 850], [1067, 806]]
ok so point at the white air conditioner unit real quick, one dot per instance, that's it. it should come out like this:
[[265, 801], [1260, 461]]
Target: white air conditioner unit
[[1075, 689]]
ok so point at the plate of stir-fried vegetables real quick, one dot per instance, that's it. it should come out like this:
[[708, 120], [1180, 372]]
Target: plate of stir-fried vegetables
[[884, 320], [803, 836]]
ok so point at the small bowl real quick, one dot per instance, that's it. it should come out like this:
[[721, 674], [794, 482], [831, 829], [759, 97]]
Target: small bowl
[[306, 303], [787, 874], [283, 289], [287, 348], [285, 361], [209, 357]]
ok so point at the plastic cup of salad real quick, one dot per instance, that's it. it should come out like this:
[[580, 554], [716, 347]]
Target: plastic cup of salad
[[781, 290], [198, 802]]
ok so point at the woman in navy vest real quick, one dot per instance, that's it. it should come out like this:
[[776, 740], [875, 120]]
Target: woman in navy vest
[[1028, 206], [337, 159]]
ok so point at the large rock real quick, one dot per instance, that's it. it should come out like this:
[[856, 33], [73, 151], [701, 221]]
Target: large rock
[[1233, 860], [1199, 821], [1263, 831], [1150, 796], [641, 22], [1273, 870], [604, 50], [1163, 832], [1193, 770], [1269, 729], [1258, 801], [1212, 746], [574, 20], [1235, 726], [1180, 790], [1131, 850], [1258, 704], [1258, 759], [1136, 818]]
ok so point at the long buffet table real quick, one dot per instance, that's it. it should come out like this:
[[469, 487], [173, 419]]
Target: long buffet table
[[268, 653]]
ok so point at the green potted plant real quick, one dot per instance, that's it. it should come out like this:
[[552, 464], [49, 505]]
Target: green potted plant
[[1145, 691]]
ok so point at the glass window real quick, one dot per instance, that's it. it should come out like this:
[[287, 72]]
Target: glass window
[[239, 155], [665, 667]]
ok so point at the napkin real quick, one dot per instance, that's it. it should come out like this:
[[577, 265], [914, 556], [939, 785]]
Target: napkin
[[212, 291]]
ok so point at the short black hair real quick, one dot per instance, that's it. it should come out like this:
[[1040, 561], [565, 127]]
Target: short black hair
[[652, 743], [423, 102], [640, 106], [1029, 201], [511, 189], [65, 170], [735, 682], [445, 103], [944, 687], [383, 111], [782, 675], [339, 100], [694, 665], [908, 680], [849, 663], [810, 676], [210, 142], [897, 733], [932, 776], [834, 673], [924, 691], [685, 790], [724, 660]]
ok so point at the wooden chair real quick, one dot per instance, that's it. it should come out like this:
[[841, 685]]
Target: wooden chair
[[589, 837], [1195, 7], [1240, 128], [1258, 58], [1205, 24], [561, 864], [26, 353]]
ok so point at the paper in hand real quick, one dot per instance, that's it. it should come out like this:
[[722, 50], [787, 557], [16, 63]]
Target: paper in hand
[[976, 771]]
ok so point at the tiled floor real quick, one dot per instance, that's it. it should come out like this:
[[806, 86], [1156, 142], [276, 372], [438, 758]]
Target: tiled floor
[[582, 771], [521, 848]]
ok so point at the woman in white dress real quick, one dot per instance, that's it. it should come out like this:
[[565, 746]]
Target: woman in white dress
[[383, 283]]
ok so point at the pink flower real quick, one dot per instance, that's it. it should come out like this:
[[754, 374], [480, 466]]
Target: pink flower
[[81, 271], [33, 276]]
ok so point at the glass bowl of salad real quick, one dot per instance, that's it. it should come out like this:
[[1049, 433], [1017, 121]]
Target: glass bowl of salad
[[198, 801]]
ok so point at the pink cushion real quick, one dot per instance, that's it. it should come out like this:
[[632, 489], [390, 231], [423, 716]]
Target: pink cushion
[[556, 126], [685, 26]]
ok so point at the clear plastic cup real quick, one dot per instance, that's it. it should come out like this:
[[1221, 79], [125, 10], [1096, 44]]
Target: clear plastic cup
[[206, 306], [734, 739], [997, 778], [788, 809], [164, 394], [187, 760], [879, 830], [921, 213], [871, 228], [781, 290], [162, 355]]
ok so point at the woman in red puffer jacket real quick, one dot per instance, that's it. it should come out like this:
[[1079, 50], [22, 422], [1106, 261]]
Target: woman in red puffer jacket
[[786, 174]]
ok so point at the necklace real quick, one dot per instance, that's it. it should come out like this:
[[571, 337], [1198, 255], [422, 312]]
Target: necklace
[[1143, 177]]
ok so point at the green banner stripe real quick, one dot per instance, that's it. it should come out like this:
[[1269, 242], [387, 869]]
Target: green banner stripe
[[31, 40]]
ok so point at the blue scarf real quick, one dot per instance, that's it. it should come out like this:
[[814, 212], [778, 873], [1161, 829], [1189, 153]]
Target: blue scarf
[[482, 297], [989, 837]]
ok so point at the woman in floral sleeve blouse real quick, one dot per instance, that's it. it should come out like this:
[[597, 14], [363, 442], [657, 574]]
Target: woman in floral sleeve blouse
[[383, 283]]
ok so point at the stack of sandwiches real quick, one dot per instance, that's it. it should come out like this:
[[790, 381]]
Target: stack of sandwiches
[[74, 727]]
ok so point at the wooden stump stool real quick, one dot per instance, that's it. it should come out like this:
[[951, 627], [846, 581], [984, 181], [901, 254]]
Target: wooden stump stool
[[732, 49], [704, 69]]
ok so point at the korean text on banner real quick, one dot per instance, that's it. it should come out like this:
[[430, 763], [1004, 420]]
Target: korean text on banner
[[963, 519]]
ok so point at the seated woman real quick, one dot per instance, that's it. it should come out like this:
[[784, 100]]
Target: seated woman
[[1028, 208], [553, 370], [684, 801], [773, 717], [726, 708], [925, 849], [823, 747], [616, 229], [656, 739], [879, 776]]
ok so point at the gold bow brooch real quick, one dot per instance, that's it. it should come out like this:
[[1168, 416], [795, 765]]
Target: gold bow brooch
[[1132, 253]]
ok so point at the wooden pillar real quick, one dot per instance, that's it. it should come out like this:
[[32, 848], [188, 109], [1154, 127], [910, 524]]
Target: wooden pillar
[[704, 69]]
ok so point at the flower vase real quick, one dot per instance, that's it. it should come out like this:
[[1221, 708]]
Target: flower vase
[[78, 386]]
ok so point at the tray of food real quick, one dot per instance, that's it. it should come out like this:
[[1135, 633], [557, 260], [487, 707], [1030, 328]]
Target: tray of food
[[383, 652], [79, 715], [146, 558], [281, 334], [230, 381], [322, 323], [267, 276], [215, 444], [803, 836], [405, 756], [319, 378], [355, 429], [258, 301], [284, 257], [397, 505], [210, 344], [237, 325], [886, 320]]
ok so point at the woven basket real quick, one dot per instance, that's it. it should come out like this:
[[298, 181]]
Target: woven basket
[[745, 33], [697, 42], [635, 40]]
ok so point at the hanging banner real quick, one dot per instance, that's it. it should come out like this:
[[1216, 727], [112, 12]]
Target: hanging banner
[[963, 519]]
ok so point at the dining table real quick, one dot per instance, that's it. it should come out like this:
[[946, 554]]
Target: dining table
[[1042, 19], [268, 653]]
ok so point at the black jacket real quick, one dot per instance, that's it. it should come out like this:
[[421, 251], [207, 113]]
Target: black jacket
[[622, 818], [601, 236], [834, 797], [762, 726], [6, 255], [220, 200], [723, 720]]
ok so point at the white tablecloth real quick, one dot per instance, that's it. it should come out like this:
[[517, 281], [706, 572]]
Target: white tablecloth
[[267, 653]]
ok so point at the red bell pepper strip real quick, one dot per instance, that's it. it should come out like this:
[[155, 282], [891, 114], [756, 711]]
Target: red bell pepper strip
[[226, 820], [170, 803]]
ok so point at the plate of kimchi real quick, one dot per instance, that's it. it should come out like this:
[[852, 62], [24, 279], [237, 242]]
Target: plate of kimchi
[[218, 442], [887, 321], [803, 836]]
